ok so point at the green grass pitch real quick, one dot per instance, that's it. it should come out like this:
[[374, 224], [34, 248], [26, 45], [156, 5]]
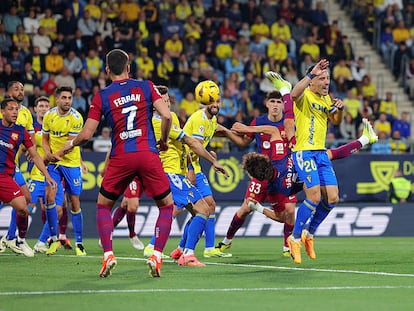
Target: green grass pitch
[[348, 274]]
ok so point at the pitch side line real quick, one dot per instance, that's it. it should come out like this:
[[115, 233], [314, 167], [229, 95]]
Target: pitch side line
[[286, 268], [264, 267], [273, 267], [179, 290], [313, 269]]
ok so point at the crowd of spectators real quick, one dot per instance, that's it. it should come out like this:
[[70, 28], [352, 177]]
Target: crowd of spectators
[[178, 43], [388, 26]]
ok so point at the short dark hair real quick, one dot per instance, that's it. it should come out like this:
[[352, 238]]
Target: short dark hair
[[11, 83], [273, 94], [41, 98], [117, 60], [5, 102], [162, 89], [61, 89]]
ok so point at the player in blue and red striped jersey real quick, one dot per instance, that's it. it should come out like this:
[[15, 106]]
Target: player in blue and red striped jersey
[[12, 136], [127, 105], [283, 204], [15, 90], [129, 206]]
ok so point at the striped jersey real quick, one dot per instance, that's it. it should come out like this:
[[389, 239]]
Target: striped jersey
[[25, 119], [127, 106], [263, 140], [10, 140]]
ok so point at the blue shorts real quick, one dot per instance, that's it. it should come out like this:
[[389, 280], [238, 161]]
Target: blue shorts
[[37, 191], [183, 191], [314, 168], [202, 185], [18, 177], [72, 177]]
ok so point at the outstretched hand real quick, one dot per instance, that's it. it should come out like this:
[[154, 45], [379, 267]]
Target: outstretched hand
[[239, 127], [319, 68]]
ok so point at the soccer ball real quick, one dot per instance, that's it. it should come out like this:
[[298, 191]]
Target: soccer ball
[[207, 92]]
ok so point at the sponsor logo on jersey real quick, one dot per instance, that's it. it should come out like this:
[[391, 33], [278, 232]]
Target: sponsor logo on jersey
[[130, 134], [5, 144]]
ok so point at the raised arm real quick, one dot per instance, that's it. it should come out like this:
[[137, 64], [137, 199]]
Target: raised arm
[[299, 88], [239, 140], [273, 131]]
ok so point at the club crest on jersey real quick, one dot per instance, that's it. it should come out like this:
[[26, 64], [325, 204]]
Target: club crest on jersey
[[202, 129], [14, 136], [266, 144]]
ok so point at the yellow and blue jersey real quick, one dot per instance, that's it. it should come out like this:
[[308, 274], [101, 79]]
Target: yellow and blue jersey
[[200, 126], [60, 128], [311, 120], [174, 160], [35, 173]]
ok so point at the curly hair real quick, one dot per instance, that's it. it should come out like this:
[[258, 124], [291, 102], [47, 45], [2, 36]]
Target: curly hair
[[258, 166]]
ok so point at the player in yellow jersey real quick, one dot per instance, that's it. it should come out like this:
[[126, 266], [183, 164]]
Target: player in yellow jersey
[[37, 183], [60, 124], [174, 162], [15, 91], [312, 109], [202, 126]]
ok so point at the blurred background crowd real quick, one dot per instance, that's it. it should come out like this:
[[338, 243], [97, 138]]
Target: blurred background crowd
[[178, 43]]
